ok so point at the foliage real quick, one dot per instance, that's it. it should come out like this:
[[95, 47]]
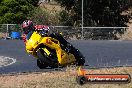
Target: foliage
[[96, 12], [32, 2], [43, 16], [65, 18], [15, 11]]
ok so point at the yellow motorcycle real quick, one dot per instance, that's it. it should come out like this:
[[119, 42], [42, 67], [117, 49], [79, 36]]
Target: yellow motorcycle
[[50, 52]]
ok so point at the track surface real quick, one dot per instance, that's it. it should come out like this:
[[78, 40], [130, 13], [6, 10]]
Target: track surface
[[97, 53]]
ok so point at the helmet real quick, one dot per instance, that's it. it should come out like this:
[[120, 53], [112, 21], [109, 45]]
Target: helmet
[[27, 26]]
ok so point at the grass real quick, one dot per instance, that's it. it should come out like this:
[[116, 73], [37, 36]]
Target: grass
[[60, 79]]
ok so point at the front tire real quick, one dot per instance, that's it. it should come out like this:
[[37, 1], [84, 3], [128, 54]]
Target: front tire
[[45, 59]]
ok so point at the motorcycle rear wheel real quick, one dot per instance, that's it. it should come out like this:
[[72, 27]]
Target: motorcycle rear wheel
[[80, 62], [80, 59], [40, 64]]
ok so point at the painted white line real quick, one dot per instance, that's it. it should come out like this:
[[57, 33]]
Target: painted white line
[[4, 61]]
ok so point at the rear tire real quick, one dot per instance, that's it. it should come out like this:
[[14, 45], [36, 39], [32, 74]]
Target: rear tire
[[40, 64], [80, 62], [80, 59]]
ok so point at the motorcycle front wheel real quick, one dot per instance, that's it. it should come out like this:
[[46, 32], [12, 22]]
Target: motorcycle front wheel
[[43, 57]]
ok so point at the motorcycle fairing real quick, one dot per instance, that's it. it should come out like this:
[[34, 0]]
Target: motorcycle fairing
[[33, 44]]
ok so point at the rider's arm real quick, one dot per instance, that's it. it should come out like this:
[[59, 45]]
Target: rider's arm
[[24, 38]]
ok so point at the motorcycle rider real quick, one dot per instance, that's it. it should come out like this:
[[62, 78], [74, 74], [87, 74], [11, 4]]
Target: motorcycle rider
[[29, 28]]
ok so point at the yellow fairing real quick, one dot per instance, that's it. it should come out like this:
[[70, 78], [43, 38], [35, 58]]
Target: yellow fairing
[[63, 57], [35, 40], [32, 42]]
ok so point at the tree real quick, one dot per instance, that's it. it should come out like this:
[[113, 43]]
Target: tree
[[15, 11], [96, 12], [32, 2], [44, 16]]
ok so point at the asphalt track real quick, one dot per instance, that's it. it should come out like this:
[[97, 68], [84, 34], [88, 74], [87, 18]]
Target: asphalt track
[[97, 54]]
